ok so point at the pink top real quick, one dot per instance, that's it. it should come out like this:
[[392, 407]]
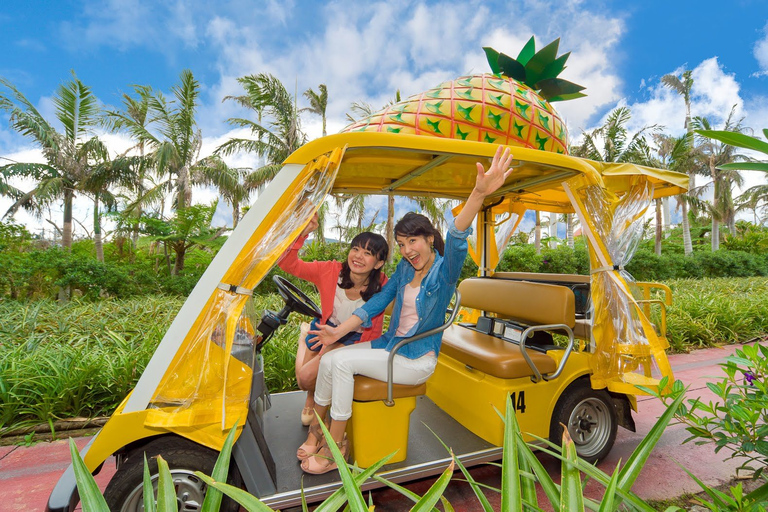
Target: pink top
[[408, 313], [325, 275]]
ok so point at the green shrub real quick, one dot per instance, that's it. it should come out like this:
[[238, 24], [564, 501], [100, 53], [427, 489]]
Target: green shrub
[[520, 258]]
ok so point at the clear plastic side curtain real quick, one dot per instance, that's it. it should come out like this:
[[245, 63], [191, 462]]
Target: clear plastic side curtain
[[628, 352], [206, 387], [506, 218]]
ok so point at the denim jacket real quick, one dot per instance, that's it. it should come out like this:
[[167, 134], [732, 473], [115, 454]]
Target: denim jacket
[[431, 302]]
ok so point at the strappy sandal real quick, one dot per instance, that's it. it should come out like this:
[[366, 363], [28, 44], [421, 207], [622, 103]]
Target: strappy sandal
[[307, 450], [322, 462], [307, 414]]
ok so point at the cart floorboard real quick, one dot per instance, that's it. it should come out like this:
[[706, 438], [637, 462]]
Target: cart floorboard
[[426, 455]]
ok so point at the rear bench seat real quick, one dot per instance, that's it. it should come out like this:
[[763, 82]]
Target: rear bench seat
[[523, 302], [580, 285]]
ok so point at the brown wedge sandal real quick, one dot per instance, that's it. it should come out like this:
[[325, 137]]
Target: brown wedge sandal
[[322, 462]]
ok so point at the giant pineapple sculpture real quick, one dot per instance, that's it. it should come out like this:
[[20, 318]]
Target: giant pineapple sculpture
[[512, 106]]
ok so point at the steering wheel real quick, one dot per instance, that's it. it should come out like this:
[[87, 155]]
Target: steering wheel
[[295, 299]]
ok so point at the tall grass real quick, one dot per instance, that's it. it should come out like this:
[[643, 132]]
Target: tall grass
[[712, 312], [82, 358]]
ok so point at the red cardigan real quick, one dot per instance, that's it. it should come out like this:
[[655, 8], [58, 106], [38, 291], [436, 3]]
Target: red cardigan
[[325, 275]]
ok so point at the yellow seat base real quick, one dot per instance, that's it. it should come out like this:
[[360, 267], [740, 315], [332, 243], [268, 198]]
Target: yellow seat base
[[375, 430]]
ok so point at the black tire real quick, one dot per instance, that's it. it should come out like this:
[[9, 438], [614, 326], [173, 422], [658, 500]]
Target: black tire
[[124, 492], [590, 417]]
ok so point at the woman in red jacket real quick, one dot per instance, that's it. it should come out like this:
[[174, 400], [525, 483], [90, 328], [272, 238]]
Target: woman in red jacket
[[343, 287]]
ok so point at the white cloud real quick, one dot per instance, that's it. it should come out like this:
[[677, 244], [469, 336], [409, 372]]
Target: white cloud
[[761, 52]]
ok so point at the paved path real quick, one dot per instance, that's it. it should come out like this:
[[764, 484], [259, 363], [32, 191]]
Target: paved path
[[28, 474]]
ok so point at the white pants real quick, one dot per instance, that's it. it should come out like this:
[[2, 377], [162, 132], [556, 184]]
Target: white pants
[[336, 376]]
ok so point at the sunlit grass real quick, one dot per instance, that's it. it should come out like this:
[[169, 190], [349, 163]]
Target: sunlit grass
[[82, 358]]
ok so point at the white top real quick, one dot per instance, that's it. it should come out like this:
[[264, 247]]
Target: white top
[[343, 307], [408, 314]]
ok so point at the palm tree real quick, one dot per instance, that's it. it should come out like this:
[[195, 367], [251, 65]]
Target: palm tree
[[134, 119], [175, 150], [231, 182], [611, 141], [683, 85], [266, 96], [318, 103], [753, 197], [717, 154], [105, 173], [674, 153], [66, 153]]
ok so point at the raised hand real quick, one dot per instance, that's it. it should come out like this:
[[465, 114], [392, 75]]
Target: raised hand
[[313, 223], [489, 182]]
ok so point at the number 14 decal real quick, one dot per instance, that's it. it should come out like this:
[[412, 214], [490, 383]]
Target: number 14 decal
[[518, 401]]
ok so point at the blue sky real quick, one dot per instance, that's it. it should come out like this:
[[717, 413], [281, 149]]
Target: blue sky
[[364, 51]]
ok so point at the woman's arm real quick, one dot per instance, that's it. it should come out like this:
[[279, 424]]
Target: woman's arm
[[328, 335], [291, 263], [486, 183]]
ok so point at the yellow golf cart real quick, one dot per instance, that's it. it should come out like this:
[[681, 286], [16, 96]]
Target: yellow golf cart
[[207, 374]]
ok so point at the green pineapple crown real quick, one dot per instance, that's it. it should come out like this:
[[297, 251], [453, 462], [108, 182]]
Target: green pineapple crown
[[537, 70]]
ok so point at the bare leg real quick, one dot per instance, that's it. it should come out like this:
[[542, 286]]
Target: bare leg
[[303, 355]]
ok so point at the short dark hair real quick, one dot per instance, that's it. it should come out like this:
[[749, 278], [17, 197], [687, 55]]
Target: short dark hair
[[415, 224], [378, 246]]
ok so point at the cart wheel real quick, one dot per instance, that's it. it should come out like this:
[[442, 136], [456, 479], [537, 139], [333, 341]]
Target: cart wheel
[[590, 417], [124, 493]]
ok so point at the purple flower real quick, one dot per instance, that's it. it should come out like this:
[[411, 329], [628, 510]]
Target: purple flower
[[749, 378]]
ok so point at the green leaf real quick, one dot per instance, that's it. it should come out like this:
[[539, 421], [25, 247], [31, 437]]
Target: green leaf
[[759, 495], [571, 493], [338, 498], [736, 139], [720, 499], [149, 491], [90, 495], [510, 473], [212, 501], [249, 502], [433, 495], [556, 67], [745, 166], [566, 97], [511, 68], [636, 461], [493, 59], [487, 507], [528, 51], [527, 485], [351, 487], [557, 87], [606, 504], [534, 68], [166, 493]]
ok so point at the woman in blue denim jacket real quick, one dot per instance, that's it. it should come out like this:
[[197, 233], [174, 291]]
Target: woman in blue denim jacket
[[422, 286]]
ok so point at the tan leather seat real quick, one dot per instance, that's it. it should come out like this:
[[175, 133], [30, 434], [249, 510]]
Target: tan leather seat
[[492, 355], [582, 329], [368, 390]]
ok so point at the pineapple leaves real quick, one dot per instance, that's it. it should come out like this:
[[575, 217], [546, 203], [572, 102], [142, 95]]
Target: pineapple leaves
[[557, 89], [527, 52], [538, 70], [535, 67], [511, 68], [493, 59], [555, 67]]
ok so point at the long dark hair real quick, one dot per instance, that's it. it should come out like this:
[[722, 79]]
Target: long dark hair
[[415, 224], [378, 246]]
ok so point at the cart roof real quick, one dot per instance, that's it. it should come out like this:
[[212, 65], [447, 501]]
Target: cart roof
[[412, 165]]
